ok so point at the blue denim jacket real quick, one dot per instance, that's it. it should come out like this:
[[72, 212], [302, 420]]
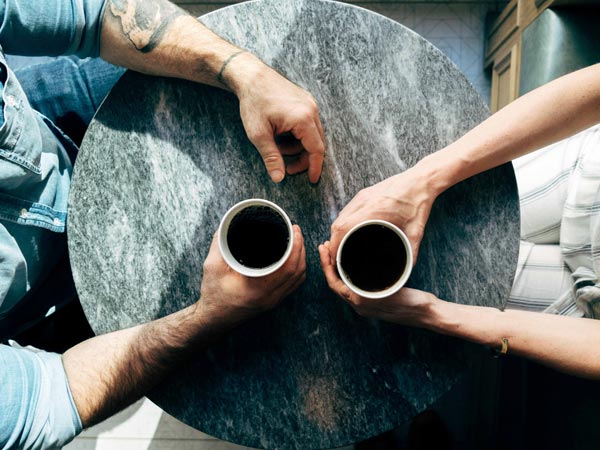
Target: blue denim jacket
[[35, 175], [35, 168]]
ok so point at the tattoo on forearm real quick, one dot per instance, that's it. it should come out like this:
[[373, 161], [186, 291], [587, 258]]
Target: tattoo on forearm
[[144, 22]]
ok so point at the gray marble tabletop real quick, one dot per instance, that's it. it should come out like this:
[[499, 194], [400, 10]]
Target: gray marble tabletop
[[164, 159]]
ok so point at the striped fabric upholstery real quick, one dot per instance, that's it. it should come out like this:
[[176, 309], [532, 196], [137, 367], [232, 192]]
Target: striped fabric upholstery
[[559, 256]]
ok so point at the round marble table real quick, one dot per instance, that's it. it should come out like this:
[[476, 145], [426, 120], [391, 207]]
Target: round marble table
[[164, 159]]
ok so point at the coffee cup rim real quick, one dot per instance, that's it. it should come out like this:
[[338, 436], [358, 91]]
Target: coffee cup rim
[[405, 274], [224, 248]]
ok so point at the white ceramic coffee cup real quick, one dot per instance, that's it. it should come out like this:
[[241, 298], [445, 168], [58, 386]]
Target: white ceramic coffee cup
[[224, 247], [403, 276]]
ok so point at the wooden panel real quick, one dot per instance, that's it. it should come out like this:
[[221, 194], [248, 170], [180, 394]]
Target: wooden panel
[[503, 95], [503, 28], [505, 78], [501, 51], [513, 19]]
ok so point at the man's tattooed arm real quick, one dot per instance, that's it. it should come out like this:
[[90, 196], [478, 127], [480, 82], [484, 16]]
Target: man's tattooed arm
[[157, 38], [143, 22]]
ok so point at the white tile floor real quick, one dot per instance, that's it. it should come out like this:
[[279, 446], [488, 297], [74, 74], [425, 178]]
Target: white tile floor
[[144, 426]]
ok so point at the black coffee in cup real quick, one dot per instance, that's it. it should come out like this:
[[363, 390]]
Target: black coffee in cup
[[373, 258], [257, 236]]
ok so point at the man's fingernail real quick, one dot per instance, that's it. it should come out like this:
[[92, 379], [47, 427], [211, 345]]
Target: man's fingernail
[[277, 176]]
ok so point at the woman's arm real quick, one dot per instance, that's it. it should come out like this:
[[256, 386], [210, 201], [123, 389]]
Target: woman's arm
[[564, 343], [548, 114]]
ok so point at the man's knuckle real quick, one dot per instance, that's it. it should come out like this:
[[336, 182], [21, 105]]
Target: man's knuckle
[[256, 135], [337, 227], [293, 270], [347, 295], [286, 272], [302, 268], [208, 266], [363, 194], [306, 115], [271, 159]]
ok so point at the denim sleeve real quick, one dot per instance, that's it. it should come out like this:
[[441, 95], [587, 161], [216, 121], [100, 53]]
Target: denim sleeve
[[51, 27], [38, 411]]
